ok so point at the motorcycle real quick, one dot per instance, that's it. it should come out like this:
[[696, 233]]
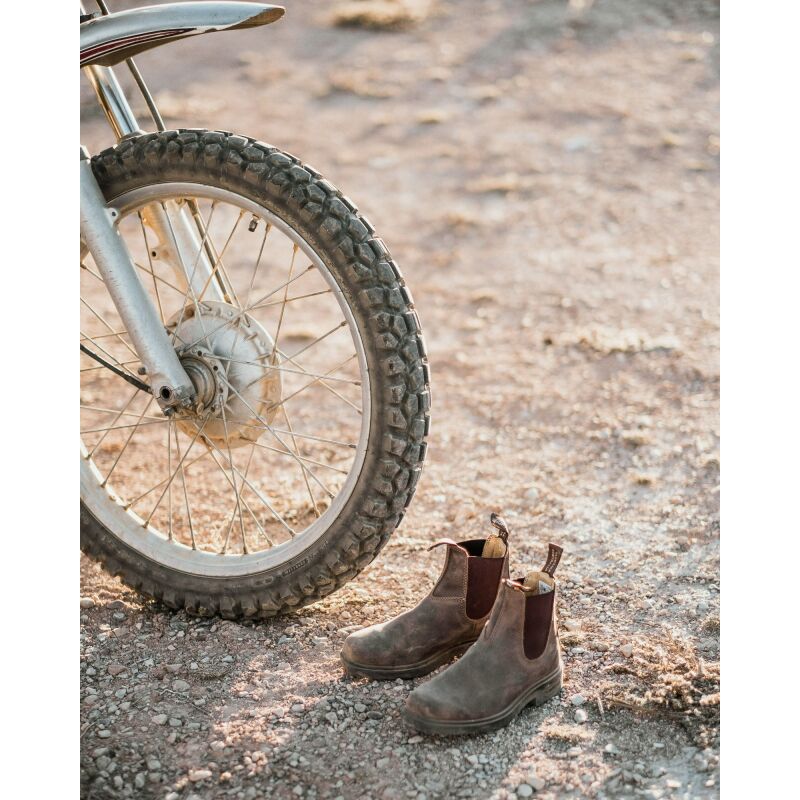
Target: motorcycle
[[254, 383]]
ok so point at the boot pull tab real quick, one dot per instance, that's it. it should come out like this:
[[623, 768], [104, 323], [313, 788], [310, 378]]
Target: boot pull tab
[[501, 526], [553, 557]]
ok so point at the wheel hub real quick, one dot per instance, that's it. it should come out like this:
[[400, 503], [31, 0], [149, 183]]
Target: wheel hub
[[231, 362]]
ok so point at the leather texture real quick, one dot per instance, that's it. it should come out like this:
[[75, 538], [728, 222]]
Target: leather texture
[[453, 614], [496, 671]]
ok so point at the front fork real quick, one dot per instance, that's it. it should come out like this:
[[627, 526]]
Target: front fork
[[182, 243], [168, 380]]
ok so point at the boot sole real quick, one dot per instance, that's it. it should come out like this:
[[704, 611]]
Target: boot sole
[[535, 696], [406, 671]]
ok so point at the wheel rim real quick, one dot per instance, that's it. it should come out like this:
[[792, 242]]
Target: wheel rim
[[276, 461]]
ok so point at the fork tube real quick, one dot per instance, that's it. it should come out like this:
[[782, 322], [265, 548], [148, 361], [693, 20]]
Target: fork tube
[[182, 241], [112, 100], [169, 382]]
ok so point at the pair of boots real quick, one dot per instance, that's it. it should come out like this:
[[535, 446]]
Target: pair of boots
[[507, 627]]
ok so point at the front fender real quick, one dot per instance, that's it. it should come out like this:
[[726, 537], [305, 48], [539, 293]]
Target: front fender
[[112, 38]]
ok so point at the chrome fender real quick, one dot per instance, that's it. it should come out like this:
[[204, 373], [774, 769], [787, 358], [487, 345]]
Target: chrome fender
[[112, 38]]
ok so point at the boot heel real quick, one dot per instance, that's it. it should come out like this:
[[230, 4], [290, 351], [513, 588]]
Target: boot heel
[[546, 691]]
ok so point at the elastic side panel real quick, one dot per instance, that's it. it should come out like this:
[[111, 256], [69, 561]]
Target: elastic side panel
[[483, 578], [538, 614]]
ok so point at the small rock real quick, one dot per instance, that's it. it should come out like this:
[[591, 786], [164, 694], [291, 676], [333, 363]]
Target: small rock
[[120, 693], [532, 495], [115, 669], [671, 783], [473, 759], [574, 751], [359, 707], [196, 775], [180, 686], [153, 764], [139, 780], [577, 699], [298, 708], [382, 763], [104, 734], [626, 650], [415, 739], [536, 782], [572, 624], [217, 746], [174, 722], [611, 748], [524, 790], [87, 602], [580, 716], [160, 719], [374, 715]]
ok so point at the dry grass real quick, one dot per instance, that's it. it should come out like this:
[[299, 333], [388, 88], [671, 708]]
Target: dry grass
[[381, 14], [669, 679]]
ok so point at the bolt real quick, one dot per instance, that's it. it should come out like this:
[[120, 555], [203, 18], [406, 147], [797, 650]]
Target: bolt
[[142, 370]]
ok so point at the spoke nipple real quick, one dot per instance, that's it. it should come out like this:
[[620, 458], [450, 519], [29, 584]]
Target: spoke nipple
[[253, 224]]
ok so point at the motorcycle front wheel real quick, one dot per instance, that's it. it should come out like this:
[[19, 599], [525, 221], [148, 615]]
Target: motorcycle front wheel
[[289, 477]]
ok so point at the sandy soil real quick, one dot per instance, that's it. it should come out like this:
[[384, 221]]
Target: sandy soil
[[548, 181]]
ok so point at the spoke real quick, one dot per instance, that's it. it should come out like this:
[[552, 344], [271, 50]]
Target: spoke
[[315, 381], [260, 302], [116, 418], [297, 297], [244, 502], [240, 317], [220, 266], [244, 311], [316, 438], [159, 278], [117, 363], [115, 411], [153, 273], [237, 505], [109, 326], [316, 341], [209, 443], [179, 467], [102, 336], [190, 277], [169, 472], [101, 366], [236, 491], [127, 441], [183, 482], [245, 423], [324, 383], [271, 430], [297, 453], [282, 369], [283, 306], [133, 502], [122, 427]]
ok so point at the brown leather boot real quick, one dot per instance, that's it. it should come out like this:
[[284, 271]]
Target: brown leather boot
[[515, 663], [444, 623]]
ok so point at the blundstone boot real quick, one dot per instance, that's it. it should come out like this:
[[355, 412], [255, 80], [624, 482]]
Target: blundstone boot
[[515, 663], [444, 623]]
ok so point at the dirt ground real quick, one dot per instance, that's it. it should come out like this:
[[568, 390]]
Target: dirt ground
[[547, 176]]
